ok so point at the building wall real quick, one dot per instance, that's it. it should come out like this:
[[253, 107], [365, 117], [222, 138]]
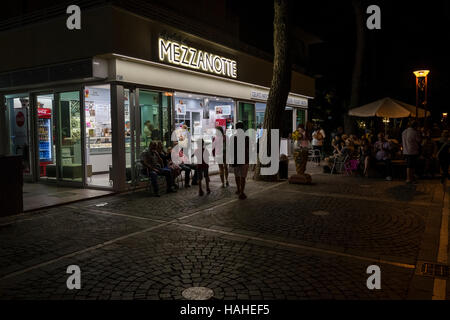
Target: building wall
[[51, 42], [112, 30]]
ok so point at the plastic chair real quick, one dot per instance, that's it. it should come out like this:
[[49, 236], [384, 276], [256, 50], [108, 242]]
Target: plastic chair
[[350, 166], [139, 176], [338, 164], [314, 155]]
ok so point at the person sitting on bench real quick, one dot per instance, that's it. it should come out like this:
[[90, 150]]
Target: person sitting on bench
[[183, 164], [153, 169]]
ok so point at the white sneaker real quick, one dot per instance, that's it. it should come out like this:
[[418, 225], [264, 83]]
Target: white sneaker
[[388, 178]]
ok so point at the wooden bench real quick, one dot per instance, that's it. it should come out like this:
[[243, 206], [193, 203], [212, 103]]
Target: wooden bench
[[142, 180], [398, 169]]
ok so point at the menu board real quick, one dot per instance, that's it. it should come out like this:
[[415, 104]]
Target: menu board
[[223, 110], [181, 109], [102, 114]]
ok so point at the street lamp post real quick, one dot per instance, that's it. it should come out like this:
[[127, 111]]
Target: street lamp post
[[422, 86]]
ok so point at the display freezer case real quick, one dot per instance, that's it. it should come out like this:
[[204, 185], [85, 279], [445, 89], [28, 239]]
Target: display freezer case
[[45, 139]]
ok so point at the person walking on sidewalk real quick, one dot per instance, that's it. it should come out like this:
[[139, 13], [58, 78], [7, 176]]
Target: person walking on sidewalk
[[203, 171], [411, 140], [223, 167], [240, 170], [443, 155]]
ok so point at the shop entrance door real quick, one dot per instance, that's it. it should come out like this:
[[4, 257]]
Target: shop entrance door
[[20, 126], [147, 119], [247, 114], [59, 138]]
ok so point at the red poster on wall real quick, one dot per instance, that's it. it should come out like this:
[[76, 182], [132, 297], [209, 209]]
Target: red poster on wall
[[221, 123]]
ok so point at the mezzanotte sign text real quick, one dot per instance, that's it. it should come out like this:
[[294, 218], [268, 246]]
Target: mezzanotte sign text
[[180, 54]]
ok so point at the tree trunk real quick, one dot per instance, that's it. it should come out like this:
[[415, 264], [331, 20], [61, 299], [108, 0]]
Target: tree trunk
[[281, 79], [357, 68]]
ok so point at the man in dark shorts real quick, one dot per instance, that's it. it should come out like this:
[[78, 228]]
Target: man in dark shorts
[[241, 169], [411, 161], [203, 170], [411, 140]]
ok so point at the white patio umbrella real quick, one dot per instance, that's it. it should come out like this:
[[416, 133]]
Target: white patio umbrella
[[387, 108]]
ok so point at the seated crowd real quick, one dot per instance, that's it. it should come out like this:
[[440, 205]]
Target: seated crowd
[[423, 155]]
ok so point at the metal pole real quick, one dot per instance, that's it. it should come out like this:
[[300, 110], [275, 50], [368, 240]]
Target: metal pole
[[417, 98], [426, 100]]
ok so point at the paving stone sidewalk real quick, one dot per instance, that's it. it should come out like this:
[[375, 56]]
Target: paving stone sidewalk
[[283, 242]]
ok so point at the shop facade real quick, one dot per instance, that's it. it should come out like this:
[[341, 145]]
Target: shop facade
[[85, 122]]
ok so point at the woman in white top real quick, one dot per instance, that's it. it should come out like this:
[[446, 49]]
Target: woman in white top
[[318, 138]]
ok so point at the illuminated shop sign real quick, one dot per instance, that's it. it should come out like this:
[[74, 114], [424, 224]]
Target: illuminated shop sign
[[180, 54], [258, 95]]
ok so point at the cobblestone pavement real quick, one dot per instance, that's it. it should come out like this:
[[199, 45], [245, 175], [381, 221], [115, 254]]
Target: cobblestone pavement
[[283, 242]]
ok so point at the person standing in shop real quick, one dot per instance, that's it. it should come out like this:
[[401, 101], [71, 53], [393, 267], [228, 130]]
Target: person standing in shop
[[148, 130]]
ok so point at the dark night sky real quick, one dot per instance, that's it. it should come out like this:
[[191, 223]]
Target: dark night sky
[[413, 36]]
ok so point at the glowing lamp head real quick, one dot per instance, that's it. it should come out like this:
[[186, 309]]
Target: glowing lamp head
[[421, 73]]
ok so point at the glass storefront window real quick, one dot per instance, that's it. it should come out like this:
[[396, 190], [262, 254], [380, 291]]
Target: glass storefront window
[[150, 117], [221, 113], [128, 132], [260, 113], [18, 113], [247, 115], [69, 130], [146, 122], [97, 100], [300, 117], [201, 114], [166, 118]]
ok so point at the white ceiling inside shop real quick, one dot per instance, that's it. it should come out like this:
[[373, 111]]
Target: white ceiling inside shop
[[186, 95]]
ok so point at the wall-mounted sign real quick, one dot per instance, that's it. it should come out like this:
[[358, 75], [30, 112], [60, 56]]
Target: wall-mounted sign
[[223, 110], [44, 112], [20, 119], [221, 123], [259, 95], [180, 54], [181, 109]]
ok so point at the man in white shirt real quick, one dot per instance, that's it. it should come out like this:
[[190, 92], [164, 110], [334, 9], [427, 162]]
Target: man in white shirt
[[318, 138], [411, 140], [148, 128]]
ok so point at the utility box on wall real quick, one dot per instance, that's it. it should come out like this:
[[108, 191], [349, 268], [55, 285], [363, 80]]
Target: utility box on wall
[[11, 185]]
